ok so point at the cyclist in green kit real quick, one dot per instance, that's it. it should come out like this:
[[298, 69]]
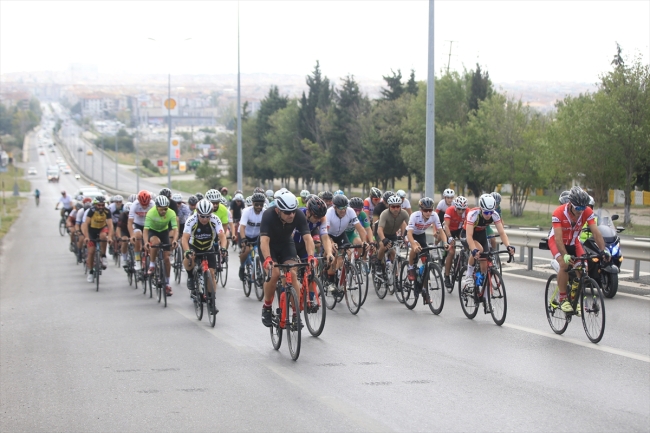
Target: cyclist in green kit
[[157, 231]]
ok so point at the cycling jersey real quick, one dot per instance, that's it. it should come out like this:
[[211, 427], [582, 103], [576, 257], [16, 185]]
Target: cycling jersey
[[138, 212], [81, 216], [153, 220], [455, 221], [184, 213], [66, 202], [223, 214], [475, 218], [115, 212], [337, 226], [419, 225], [73, 216], [379, 209], [315, 229], [570, 229], [369, 206], [123, 223], [406, 204], [301, 203], [202, 236], [363, 220], [251, 221], [280, 232], [237, 209], [98, 217], [391, 224], [442, 208]]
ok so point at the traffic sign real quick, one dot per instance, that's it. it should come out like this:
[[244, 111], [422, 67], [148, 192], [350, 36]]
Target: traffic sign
[[174, 142], [170, 104]]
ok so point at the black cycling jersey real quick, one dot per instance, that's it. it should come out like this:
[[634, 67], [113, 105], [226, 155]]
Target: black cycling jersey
[[280, 232], [173, 206], [236, 209]]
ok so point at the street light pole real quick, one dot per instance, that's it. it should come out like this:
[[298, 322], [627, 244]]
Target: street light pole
[[116, 160], [102, 160], [240, 169], [429, 173], [169, 133]]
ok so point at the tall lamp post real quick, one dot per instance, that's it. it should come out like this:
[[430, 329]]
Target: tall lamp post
[[429, 173], [240, 170]]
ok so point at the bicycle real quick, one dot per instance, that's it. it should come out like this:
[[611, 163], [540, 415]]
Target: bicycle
[[312, 300], [497, 260], [159, 277], [177, 264], [63, 228], [117, 252], [221, 273], [286, 298], [142, 273], [349, 283], [204, 288], [74, 248], [587, 301], [400, 260], [363, 268], [383, 277], [459, 265], [429, 282], [97, 265], [253, 274], [492, 293], [129, 266]]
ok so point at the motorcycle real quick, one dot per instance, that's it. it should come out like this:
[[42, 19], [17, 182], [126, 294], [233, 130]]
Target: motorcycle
[[606, 274]]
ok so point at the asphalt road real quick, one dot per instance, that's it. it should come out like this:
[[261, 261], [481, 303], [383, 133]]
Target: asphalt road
[[73, 359]]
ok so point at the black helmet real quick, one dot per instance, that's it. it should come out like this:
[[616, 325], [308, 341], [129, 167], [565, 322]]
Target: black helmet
[[100, 199], [564, 197], [258, 189], [387, 195], [375, 192], [356, 203], [340, 200], [192, 200], [199, 196], [258, 197], [497, 197], [578, 197], [317, 207], [326, 195], [166, 192], [426, 203]]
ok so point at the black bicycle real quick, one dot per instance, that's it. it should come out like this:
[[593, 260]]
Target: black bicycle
[[459, 265], [587, 301], [428, 282], [253, 273], [349, 283], [286, 310], [385, 273], [204, 287], [63, 228], [97, 265], [159, 277], [129, 266], [177, 264]]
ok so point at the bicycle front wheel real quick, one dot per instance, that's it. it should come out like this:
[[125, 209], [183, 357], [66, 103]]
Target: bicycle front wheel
[[210, 295], [275, 329], [62, 227], [557, 318], [162, 281], [381, 288], [436, 287], [258, 279], [352, 289], [362, 269], [197, 299], [313, 308], [497, 300], [293, 323], [178, 263], [593, 310], [223, 276], [468, 298], [397, 281], [409, 293], [98, 266], [247, 283]]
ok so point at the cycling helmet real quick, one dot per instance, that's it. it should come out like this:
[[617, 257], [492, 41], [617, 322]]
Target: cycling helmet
[[78, 205], [269, 193], [223, 201], [258, 197], [339, 192], [224, 190], [387, 195], [192, 200], [117, 198], [356, 203], [127, 207], [144, 197], [112, 199], [426, 203], [132, 198], [166, 192], [340, 200], [487, 202], [238, 197], [304, 194], [448, 193], [401, 193], [394, 200], [286, 202], [578, 197], [204, 207], [63, 192], [198, 196], [317, 207], [564, 197], [497, 197], [87, 200], [281, 191], [161, 201], [460, 202], [239, 191], [258, 189], [249, 201], [592, 203], [326, 195], [99, 199], [375, 192], [213, 195], [177, 197], [87, 203]]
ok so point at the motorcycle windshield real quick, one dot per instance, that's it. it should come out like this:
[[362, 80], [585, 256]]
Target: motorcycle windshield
[[606, 226]]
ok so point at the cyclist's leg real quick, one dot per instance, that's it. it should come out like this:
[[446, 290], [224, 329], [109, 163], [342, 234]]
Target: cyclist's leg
[[153, 240]]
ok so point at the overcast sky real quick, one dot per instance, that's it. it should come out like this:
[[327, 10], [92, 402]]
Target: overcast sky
[[526, 40]]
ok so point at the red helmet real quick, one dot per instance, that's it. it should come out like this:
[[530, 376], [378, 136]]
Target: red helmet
[[87, 200], [144, 197]]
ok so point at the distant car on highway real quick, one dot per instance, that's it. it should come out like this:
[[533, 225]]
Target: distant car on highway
[[89, 152], [42, 152], [77, 176], [66, 170], [32, 171], [53, 173], [90, 191]]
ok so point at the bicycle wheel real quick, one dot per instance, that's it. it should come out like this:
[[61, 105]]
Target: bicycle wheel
[[497, 263], [328, 288], [496, 296], [378, 281], [196, 298], [223, 276], [362, 269], [454, 273], [162, 281], [557, 318], [62, 227], [313, 308], [248, 279], [98, 266], [352, 289], [436, 287], [293, 323], [210, 296], [397, 282], [468, 299], [409, 292], [178, 262], [593, 310], [258, 279], [275, 329], [392, 275], [158, 284]]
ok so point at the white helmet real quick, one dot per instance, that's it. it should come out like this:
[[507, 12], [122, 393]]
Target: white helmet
[[177, 197], [249, 201], [448, 193], [204, 207], [127, 207], [161, 201], [487, 202], [238, 197], [394, 200], [401, 193], [269, 193], [116, 198], [279, 192], [286, 202], [213, 195], [304, 193], [460, 202]]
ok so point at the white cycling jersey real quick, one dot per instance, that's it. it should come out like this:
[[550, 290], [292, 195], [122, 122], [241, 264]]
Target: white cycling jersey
[[336, 226], [84, 215], [251, 221], [79, 217], [406, 204], [202, 236], [66, 202], [115, 213], [442, 206], [138, 212], [419, 225]]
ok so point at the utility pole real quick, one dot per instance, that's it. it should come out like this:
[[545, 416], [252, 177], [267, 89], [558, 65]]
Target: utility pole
[[429, 168], [449, 58], [102, 160], [116, 160], [240, 169], [169, 133]]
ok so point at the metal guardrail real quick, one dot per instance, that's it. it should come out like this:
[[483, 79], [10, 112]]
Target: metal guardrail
[[635, 250]]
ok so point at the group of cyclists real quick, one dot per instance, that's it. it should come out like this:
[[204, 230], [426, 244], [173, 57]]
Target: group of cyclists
[[290, 228]]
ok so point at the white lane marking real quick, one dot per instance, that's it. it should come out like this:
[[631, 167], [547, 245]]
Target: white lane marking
[[525, 277], [601, 348]]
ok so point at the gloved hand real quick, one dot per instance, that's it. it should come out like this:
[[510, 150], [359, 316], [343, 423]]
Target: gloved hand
[[267, 262], [312, 261], [511, 250], [385, 241], [188, 253], [567, 259], [607, 256], [474, 252]]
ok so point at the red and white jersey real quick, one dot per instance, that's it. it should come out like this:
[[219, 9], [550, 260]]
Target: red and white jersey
[[369, 206], [418, 224], [138, 212], [570, 229], [455, 221], [475, 218]]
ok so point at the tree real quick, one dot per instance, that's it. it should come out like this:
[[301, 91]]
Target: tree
[[394, 88], [272, 103], [412, 85], [480, 87], [210, 175]]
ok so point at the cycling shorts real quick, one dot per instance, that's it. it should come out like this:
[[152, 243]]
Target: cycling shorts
[[352, 236], [573, 250], [282, 253], [340, 240], [163, 236], [421, 239], [211, 258], [480, 237], [94, 233], [137, 227]]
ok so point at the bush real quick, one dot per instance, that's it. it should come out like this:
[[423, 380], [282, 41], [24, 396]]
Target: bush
[[149, 165]]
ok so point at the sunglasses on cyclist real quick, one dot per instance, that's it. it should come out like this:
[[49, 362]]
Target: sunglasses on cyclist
[[162, 209], [488, 212], [341, 207], [99, 205], [427, 210], [579, 208], [203, 217], [288, 212], [258, 204], [395, 206]]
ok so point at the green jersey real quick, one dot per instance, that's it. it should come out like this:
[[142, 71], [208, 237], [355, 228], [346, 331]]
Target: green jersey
[[153, 221], [223, 215]]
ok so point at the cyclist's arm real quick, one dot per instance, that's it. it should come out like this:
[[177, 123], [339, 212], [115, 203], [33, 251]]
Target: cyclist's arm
[[309, 244], [369, 234], [111, 229], [223, 240], [84, 228], [559, 242], [242, 231], [469, 235], [327, 244], [265, 246], [129, 226], [445, 227], [409, 236], [380, 233], [185, 240], [361, 231]]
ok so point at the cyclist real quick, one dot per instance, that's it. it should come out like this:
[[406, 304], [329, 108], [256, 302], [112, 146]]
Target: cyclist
[[315, 213], [406, 204], [447, 197], [116, 208], [224, 194], [269, 194], [419, 222], [237, 205], [37, 196], [454, 219], [327, 197], [66, 201], [97, 225], [380, 208], [184, 211], [476, 221], [276, 245], [191, 204], [199, 196], [304, 196], [490, 231], [356, 203], [200, 233], [137, 216], [221, 212], [157, 231], [122, 231], [564, 197], [373, 200], [172, 204], [79, 218], [390, 221], [563, 241], [249, 228], [586, 234]]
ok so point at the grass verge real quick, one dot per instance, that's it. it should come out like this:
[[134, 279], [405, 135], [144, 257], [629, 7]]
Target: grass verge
[[7, 178], [10, 213], [189, 186]]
